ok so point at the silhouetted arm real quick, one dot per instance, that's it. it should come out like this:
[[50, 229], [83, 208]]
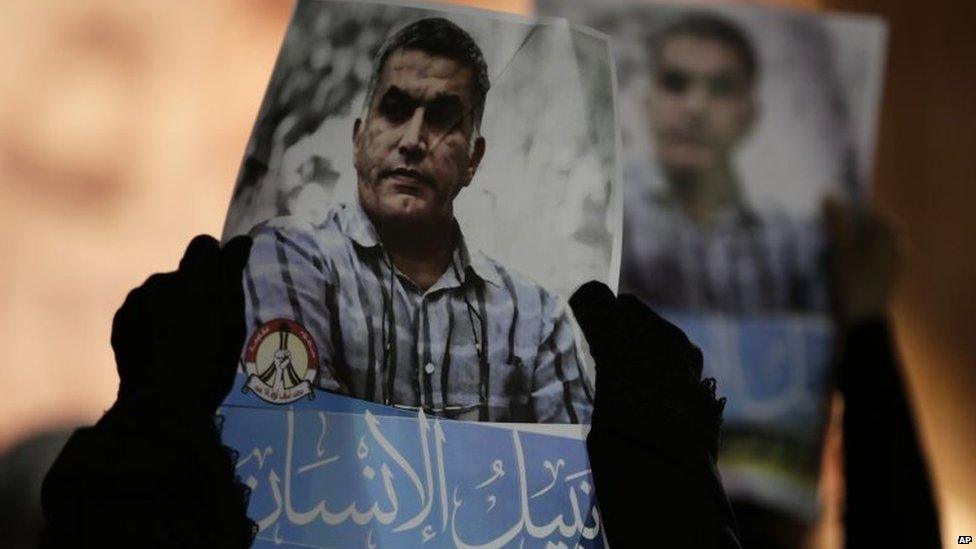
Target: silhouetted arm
[[889, 500], [653, 441], [888, 495]]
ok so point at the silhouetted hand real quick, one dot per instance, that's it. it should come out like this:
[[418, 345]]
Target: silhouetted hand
[[154, 464], [647, 369], [177, 338], [864, 261], [654, 435]]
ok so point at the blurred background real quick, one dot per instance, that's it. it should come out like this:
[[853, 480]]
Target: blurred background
[[123, 124]]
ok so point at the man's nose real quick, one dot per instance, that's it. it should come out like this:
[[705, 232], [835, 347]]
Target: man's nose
[[413, 143], [695, 99]]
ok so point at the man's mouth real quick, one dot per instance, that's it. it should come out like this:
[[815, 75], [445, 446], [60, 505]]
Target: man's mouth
[[407, 177], [686, 137]]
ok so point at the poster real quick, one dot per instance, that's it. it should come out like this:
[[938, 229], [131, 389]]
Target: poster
[[737, 122], [425, 187]]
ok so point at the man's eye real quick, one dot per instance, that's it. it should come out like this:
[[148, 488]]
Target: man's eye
[[396, 109], [674, 81], [726, 86], [444, 114]]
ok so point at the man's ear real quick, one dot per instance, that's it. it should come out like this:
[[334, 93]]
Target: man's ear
[[477, 153], [752, 117]]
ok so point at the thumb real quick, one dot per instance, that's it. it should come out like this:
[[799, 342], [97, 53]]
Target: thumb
[[595, 308]]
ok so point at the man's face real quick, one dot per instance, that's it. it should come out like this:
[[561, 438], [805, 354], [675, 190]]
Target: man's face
[[700, 104], [414, 152]]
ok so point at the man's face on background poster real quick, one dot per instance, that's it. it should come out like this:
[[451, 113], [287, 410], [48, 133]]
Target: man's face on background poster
[[700, 104], [414, 150]]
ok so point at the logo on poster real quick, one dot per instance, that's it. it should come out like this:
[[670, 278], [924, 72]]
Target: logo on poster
[[280, 361]]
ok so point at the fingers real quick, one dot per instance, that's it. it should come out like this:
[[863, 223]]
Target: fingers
[[839, 220], [879, 230], [595, 308], [206, 263], [234, 254], [122, 322], [234, 257], [202, 252], [653, 337], [636, 312], [131, 337], [199, 271], [641, 319]]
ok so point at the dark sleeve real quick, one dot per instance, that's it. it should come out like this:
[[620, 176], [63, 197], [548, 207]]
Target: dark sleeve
[[656, 501], [889, 500], [144, 486], [656, 482]]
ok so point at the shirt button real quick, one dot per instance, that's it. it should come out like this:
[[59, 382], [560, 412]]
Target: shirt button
[[429, 368]]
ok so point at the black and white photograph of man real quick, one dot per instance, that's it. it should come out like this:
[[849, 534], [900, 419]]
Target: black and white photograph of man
[[402, 308], [695, 242]]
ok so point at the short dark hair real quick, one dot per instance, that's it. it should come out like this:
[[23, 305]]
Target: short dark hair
[[437, 36], [711, 27]]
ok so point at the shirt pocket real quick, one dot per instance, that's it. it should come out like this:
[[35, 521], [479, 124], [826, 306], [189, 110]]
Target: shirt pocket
[[508, 392]]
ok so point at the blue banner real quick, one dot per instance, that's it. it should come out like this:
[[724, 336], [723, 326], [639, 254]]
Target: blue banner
[[774, 372], [338, 472]]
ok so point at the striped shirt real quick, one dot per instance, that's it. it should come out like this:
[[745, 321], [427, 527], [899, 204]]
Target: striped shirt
[[743, 263], [483, 343]]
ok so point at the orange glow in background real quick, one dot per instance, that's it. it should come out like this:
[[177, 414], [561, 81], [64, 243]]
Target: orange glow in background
[[123, 123]]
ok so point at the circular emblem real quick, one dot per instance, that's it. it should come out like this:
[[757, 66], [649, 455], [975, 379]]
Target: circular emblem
[[281, 361]]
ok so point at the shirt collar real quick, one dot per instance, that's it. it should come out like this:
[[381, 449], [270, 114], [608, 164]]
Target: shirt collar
[[473, 260], [357, 226]]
